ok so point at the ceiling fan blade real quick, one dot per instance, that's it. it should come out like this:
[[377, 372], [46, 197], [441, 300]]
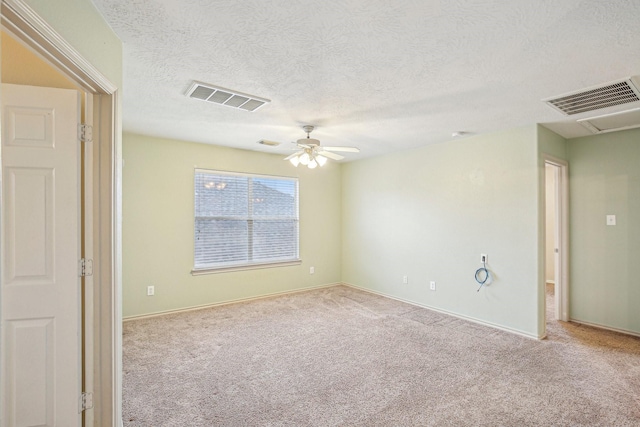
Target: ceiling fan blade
[[330, 155], [293, 155], [345, 149], [303, 145]]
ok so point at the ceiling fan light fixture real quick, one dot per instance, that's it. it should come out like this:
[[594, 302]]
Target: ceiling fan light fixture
[[305, 159], [312, 154]]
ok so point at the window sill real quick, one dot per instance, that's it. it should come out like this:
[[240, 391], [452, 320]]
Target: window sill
[[203, 271]]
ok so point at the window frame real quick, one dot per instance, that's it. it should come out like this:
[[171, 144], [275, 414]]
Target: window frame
[[209, 269]]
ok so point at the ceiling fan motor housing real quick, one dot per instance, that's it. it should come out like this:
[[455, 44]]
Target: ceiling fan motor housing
[[309, 141]]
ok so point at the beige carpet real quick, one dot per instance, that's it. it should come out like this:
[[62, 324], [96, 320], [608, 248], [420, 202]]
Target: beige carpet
[[342, 357]]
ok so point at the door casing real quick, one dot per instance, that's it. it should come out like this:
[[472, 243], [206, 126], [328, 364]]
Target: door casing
[[562, 235]]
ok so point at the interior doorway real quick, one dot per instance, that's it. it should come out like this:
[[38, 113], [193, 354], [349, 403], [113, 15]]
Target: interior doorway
[[551, 237], [556, 239], [101, 174]]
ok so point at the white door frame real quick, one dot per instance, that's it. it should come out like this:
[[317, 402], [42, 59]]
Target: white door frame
[[562, 236], [103, 370]]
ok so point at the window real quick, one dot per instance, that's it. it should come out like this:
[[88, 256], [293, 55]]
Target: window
[[244, 221]]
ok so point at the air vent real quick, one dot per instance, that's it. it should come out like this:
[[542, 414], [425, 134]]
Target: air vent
[[269, 143], [222, 96], [612, 122], [596, 98]]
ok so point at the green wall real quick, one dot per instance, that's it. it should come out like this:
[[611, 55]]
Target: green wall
[[429, 213], [158, 226], [604, 176], [426, 213], [80, 24], [551, 143]]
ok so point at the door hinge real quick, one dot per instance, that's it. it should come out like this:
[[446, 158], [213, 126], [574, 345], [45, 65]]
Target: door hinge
[[86, 267], [85, 133], [86, 401]]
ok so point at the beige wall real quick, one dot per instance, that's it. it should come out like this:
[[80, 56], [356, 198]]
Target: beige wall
[[429, 213], [23, 67], [158, 226]]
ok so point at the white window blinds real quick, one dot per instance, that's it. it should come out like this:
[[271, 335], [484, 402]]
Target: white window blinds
[[244, 220]]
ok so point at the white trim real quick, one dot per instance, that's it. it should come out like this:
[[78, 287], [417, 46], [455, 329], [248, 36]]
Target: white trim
[[244, 174], [88, 282], [203, 271], [562, 227], [607, 328], [449, 313], [550, 282], [234, 301]]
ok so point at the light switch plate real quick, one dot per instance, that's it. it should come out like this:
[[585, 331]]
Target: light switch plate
[[611, 220]]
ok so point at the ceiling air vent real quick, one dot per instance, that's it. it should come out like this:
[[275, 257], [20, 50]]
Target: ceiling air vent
[[595, 98], [222, 96], [612, 122], [269, 143]]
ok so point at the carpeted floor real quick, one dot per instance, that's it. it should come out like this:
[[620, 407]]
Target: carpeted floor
[[343, 357]]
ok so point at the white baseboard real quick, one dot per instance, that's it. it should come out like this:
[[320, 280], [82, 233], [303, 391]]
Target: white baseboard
[[234, 301], [608, 328], [449, 313], [414, 303]]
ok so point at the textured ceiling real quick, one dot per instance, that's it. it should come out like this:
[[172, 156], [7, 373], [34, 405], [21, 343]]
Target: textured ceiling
[[378, 74]]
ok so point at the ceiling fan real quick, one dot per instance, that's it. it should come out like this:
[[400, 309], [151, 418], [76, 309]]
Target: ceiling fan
[[311, 154]]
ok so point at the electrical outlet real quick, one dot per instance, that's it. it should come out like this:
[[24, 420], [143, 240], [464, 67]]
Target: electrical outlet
[[432, 285], [151, 291], [483, 258], [312, 270], [405, 280]]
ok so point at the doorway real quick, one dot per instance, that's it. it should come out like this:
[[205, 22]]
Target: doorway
[[101, 211], [556, 239]]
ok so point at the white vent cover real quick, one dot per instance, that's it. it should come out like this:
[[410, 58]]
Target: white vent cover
[[227, 97], [612, 122], [595, 98], [269, 143]]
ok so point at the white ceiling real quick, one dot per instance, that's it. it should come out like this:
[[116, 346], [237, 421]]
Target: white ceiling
[[383, 75]]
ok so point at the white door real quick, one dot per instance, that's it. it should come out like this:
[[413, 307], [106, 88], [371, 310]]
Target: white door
[[40, 381]]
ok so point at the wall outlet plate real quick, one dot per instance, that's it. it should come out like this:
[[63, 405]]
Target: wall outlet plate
[[432, 285], [483, 258], [151, 291], [312, 270], [405, 280]]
